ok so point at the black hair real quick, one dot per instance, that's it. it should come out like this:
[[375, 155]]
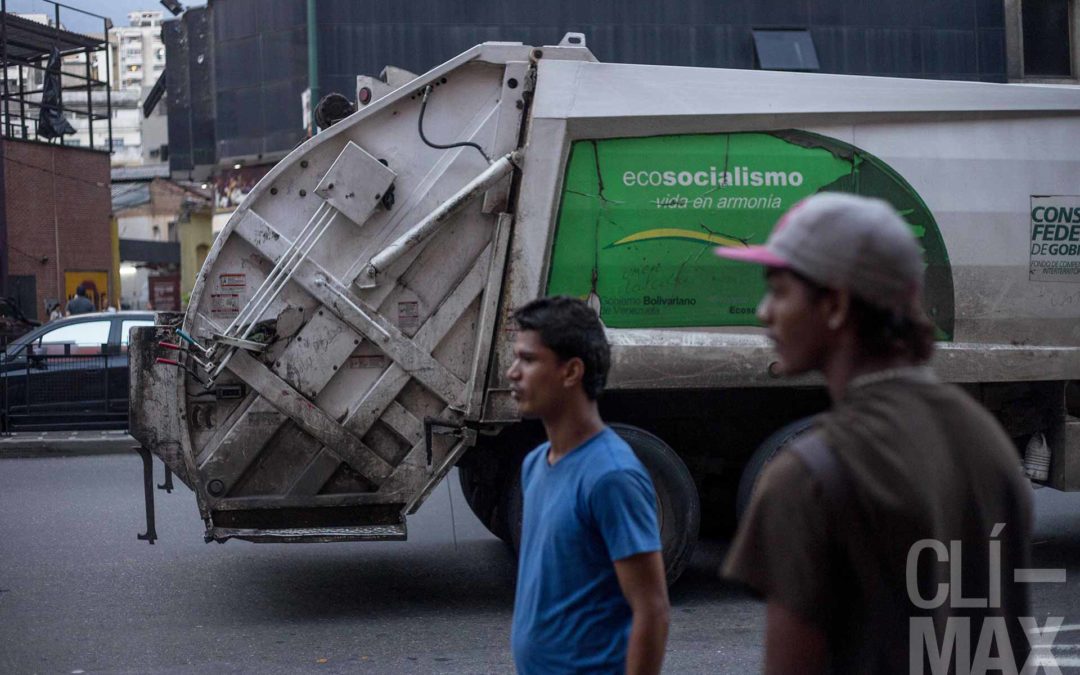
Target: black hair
[[570, 328], [79, 290], [887, 332], [882, 332]]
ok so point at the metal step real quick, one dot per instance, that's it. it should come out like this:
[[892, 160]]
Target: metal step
[[392, 532]]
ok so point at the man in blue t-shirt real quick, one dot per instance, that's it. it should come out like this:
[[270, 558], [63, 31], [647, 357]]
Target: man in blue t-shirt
[[591, 594]]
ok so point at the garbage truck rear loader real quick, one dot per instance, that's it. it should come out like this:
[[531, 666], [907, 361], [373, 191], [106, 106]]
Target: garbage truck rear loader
[[348, 335]]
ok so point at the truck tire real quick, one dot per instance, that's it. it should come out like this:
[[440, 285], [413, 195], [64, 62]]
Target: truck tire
[[488, 472], [762, 456], [485, 500], [677, 505]]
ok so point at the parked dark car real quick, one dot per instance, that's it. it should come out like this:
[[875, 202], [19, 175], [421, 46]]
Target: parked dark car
[[69, 374]]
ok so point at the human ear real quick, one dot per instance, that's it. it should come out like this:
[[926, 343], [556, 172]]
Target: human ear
[[763, 308], [573, 372], [837, 308]]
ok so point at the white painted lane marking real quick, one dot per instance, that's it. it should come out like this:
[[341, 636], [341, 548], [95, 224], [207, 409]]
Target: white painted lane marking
[[1060, 629], [1050, 661]]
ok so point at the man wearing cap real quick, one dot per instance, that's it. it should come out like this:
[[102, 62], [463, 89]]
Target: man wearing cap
[[885, 539]]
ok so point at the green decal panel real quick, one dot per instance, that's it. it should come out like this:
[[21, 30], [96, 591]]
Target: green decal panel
[[640, 217]]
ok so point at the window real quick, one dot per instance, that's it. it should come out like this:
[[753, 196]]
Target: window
[[126, 326], [785, 50], [1046, 38], [85, 337], [1041, 40]]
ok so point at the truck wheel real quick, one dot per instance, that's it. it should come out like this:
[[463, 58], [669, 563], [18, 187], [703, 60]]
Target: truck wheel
[[762, 456], [490, 473], [485, 500], [677, 505]]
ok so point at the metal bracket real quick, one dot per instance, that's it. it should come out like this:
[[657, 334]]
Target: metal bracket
[[456, 429], [357, 183], [167, 486], [148, 491], [419, 233], [248, 345]]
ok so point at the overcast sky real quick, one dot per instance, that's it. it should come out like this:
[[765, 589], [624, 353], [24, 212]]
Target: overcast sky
[[117, 10]]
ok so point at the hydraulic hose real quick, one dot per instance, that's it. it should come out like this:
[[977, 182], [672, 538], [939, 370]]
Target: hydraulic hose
[[439, 146]]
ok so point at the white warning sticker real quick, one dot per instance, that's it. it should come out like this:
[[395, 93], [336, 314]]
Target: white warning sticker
[[224, 305], [232, 281]]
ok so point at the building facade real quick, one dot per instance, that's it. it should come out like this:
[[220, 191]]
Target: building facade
[[238, 68], [54, 196], [135, 61], [55, 215], [138, 51], [164, 233]]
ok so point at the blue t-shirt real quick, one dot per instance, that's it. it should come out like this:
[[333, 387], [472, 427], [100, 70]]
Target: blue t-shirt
[[596, 505]]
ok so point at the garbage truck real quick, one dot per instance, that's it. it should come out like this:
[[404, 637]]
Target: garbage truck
[[346, 342]]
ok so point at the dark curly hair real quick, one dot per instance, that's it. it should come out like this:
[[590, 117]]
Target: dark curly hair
[[885, 332], [570, 328]]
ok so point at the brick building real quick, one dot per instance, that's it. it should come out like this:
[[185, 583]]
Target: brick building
[[55, 199], [55, 210]]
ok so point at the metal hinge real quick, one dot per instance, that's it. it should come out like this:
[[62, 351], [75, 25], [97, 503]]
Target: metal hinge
[[460, 430]]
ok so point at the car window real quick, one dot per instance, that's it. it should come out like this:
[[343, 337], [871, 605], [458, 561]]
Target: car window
[[86, 337], [127, 325]]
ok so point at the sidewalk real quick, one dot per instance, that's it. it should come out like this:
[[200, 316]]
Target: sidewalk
[[65, 443]]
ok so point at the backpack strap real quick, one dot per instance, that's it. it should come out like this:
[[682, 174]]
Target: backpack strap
[[837, 494], [823, 465]]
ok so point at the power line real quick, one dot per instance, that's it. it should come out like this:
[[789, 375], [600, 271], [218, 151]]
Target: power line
[[95, 183], [35, 258]]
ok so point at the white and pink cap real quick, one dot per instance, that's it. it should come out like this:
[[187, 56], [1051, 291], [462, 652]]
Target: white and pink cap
[[846, 242]]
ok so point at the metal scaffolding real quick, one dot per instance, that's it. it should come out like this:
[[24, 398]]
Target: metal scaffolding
[[25, 47]]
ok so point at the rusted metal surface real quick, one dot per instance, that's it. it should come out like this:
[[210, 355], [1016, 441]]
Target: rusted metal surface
[[153, 405], [681, 359], [342, 377], [309, 417]]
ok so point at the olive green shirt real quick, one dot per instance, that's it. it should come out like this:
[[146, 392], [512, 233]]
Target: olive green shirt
[[918, 460]]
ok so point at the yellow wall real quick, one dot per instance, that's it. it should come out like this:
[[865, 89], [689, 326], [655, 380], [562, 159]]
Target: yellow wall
[[196, 237], [95, 282]]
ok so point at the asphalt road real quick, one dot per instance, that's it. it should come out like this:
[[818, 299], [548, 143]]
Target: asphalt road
[[79, 593]]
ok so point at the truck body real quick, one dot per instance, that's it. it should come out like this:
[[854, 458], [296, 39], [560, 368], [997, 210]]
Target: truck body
[[349, 331]]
